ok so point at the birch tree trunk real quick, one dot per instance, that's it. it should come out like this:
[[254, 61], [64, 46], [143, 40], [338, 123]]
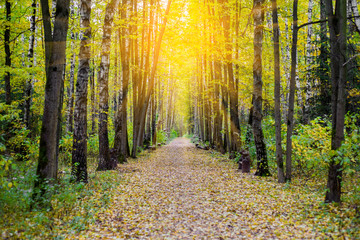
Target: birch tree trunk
[[308, 61], [105, 162], [262, 162], [354, 9], [70, 107], [286, 60], [92, 95], [79, 153]]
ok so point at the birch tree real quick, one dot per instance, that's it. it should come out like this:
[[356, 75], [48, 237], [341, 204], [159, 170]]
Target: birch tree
[[105, 162], [79, 153]]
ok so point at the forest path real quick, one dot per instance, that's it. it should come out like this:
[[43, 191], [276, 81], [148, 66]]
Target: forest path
[[180, 192]]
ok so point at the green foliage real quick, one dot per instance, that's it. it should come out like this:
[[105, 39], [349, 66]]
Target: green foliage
[[73, 206], [65, 149], [15, 146], [15, 192], [311, 147], [161, 136], [93, 145], [173, 134], [312, 153]]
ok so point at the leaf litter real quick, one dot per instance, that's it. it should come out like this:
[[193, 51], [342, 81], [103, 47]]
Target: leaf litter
[[180, 192]]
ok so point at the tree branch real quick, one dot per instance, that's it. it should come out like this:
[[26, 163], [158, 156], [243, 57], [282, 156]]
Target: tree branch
[[321, 21], [350, 59]]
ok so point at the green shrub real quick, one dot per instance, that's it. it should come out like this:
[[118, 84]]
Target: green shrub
[[173, 134], [93, 145], [161, 136], [65, 150]]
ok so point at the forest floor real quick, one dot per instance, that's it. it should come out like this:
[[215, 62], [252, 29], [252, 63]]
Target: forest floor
[[181, 192]]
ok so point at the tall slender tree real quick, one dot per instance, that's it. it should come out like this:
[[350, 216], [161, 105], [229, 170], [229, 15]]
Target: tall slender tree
[[120, 141], [55, 46], [337, 21], [308, 59], [233, 93], [261, 155], [79, 153], [71, 87], [146, 93], [277, 85], [290, 116], [7, 53], [105, 162]]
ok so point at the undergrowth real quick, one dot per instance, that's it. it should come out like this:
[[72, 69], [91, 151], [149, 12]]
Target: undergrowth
[[73, 207]]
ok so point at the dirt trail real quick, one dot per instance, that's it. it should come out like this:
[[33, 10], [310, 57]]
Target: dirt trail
[[180, 192]]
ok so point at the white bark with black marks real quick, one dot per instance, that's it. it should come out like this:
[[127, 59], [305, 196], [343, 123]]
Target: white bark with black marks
[[79, 153], [105, 163], [308, 61]]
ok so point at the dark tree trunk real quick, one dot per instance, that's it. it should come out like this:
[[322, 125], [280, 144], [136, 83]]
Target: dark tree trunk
[[55, 46], [218, 118], [324, 96], [29, 82], [201, 98], [79, 153], [337, 27], [279, 155], [262, 162], [7, 52], [290, 117], [105, 163], [138, 81], [225, 104], [121, 140], [153, 119]]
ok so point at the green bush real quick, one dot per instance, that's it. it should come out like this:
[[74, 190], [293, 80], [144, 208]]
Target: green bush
[[173, 134], [93, 145], [65, 150], [161, 136]]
